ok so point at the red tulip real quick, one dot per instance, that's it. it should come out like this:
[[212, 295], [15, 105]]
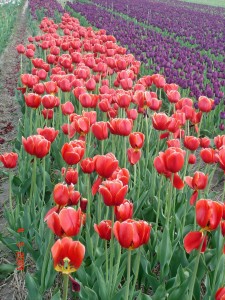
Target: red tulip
[[67, 222], [104, 229], [49, 101], [174, 159], [67, 108], [9, 160], [121, 174], [205, 104], [193, 240], [120, 126], [219, 141], [191, 142], [87, 165], [124, 211], [73, 152], [91, 115], [173, 96], [51, 87], [123, 100], [220, 294], [81, 125], [160, 121], [136, 140], [67, 255], [173, 143], [113, 192], [32, 100], [88, 100], [20, 49], [48, 133], [36, 145], [132, 234], [61, 194], [197, 182], [70, 175], [134, 155], [208, 155], [204, 142], [105, 165], [39, 88], [192, 159], [100, 130], [208, 213], [47, 113]]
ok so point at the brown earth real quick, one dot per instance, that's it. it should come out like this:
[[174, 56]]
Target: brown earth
[[11, 287]]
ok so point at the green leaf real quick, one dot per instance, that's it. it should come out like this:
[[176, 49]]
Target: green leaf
[[101, 283], [87, 293], [56, 296], [31, 286], [165, 251]]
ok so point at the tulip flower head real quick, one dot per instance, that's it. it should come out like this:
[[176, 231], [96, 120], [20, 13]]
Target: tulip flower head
[[67, 255]]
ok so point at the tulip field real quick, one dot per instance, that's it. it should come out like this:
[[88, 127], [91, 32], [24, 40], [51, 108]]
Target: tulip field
[[115, 173]]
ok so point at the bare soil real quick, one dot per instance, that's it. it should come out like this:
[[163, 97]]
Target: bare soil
[[12, 287]]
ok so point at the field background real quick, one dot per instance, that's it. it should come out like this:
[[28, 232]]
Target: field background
[[220, 3]]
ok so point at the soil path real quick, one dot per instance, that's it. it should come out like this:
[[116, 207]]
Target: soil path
[[9, 117]]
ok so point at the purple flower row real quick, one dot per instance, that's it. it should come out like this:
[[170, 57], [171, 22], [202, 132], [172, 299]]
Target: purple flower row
[[48, 7], [180, 64], [196, 27]]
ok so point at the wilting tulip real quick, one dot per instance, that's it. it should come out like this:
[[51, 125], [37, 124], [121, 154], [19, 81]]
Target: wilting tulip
[[197, 182], [124, 211], [208, 214], [36, 145], [113, 192], [67, 222], [136, 140], [70, 175], [205, 104], [67, 255], [132, 234], [193, 240], [104, 229], [120, 126], [32, 100], [134, 155], [91, 115], [191, 142], [9, 160], [100, 130], [73, 152], [81, 125], [48, 133], [87, 165]]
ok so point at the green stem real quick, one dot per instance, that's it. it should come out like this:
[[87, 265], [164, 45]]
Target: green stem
[[136, 271], [111, 251], [128, 274], [116, 269], [193, 278], [217, 266], [44, 181], [106, 262], [65, 286], [169, 201], [125, 151], [159, 204], [10, 192]]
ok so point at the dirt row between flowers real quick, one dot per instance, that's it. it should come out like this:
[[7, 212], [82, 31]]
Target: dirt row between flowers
[[10, 287]]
